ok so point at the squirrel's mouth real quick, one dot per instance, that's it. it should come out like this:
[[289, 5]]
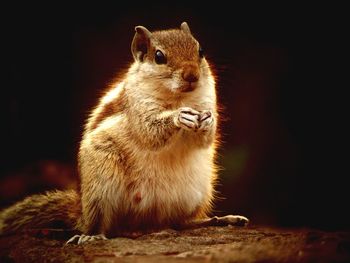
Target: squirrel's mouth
[[187, 87]]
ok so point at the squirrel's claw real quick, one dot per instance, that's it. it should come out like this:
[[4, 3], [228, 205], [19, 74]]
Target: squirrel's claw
[[81, 239]]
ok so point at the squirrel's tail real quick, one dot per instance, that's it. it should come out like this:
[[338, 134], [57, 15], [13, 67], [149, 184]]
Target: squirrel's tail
[[43, 210]]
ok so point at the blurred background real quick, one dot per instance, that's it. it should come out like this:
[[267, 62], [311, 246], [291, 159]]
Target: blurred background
[[279, 70]]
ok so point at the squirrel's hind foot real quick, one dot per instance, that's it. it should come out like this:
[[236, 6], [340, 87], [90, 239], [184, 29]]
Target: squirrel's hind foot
[[81, 239]]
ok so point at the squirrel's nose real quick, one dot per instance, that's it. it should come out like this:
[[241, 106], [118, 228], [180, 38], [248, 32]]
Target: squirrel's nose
[[190, 73]]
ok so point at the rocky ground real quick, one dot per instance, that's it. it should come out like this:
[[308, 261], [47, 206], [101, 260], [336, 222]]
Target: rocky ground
[[210, 244]]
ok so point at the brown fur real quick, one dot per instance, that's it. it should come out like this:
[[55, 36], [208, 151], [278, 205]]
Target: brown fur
[[46, 210], [106, 110], [142, 165]]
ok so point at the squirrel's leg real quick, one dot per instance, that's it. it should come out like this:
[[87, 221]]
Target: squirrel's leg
[[81, 239], [101, 162], [157, 128], [234, 220], [91, 223]]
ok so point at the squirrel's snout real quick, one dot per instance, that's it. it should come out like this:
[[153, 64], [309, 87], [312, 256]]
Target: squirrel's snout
[[190, 73]]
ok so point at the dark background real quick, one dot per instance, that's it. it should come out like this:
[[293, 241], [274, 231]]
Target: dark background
[[279, 74]]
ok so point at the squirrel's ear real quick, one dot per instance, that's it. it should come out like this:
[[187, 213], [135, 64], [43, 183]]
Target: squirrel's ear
[[185, 28], [141, 42]]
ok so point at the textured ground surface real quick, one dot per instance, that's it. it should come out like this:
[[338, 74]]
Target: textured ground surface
[[211, 244]]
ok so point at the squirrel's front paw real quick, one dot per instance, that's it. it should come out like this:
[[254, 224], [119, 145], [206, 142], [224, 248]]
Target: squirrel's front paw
[[206, 120], [187, 119]]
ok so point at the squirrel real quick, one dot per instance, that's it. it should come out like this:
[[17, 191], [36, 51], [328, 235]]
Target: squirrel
[[147, 156]]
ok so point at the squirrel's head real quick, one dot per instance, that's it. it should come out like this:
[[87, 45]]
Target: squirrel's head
[[171, 58]]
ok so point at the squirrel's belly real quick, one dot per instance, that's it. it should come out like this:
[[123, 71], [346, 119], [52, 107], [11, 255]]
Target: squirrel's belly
[[169, 191]]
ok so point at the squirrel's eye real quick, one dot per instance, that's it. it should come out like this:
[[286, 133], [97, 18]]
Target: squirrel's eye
[[201, 52], [159, 57]]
